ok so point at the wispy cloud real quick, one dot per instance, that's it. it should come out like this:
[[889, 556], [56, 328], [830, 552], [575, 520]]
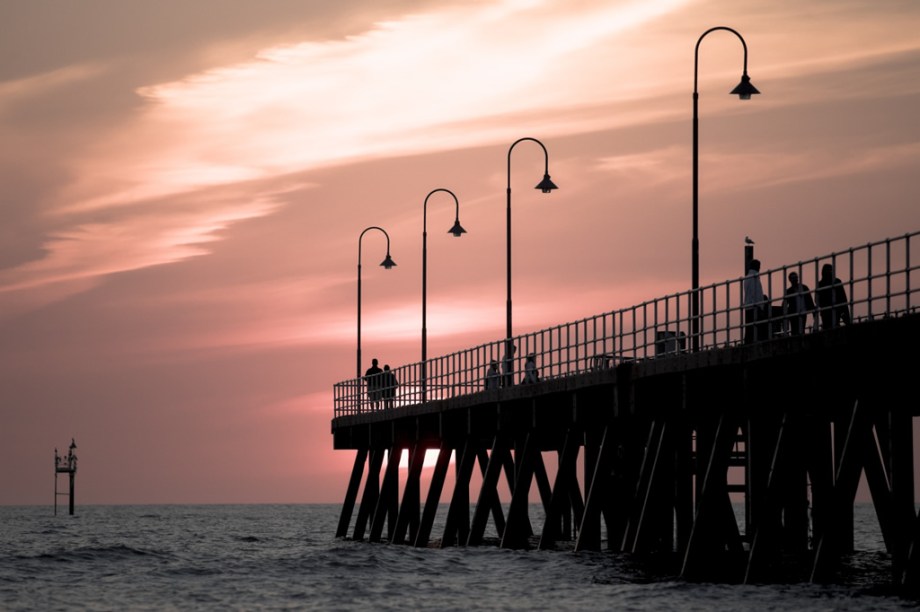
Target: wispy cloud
[[406, 86], [730, 172], [95, 249], [23, 90]]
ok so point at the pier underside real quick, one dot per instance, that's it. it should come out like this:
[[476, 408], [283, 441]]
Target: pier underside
[[651, 458]]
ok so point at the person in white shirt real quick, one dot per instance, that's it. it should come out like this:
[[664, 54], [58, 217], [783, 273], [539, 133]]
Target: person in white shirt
[[754, 304], [530, 371], [493, 377]]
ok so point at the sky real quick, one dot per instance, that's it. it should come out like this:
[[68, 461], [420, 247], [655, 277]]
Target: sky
[[183, 186]]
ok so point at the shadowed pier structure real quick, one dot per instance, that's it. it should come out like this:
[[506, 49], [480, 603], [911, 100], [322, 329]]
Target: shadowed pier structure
[[630, 442]]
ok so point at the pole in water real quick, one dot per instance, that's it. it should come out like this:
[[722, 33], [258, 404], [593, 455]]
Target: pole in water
[[65, 465]]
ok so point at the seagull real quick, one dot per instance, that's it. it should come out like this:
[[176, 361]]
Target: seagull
[[747, 240]]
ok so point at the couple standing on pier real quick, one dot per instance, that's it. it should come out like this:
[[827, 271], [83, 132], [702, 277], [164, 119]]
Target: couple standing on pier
[[830, 296], [381, 385]]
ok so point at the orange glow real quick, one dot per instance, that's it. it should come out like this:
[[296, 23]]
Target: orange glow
[[431, 458]]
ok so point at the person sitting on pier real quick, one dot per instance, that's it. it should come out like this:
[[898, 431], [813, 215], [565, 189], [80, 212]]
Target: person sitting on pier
[[530, 371], [373, 379], [493, 376]]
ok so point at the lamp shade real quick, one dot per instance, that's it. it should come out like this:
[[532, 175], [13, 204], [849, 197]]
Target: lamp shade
[[546, 185], [457, 230], [744, 90], [388, 262]]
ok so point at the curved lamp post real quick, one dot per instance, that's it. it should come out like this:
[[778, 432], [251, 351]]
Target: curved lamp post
[[744, 90], [387, 263], [546, 186], [457, 230]]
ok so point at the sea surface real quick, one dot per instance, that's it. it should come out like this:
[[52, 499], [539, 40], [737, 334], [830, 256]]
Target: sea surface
[[286, 557]]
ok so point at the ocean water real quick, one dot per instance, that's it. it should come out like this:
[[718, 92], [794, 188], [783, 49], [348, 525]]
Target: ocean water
[[285, 557]]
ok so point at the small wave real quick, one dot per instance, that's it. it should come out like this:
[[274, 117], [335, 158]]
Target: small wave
[[193, 570], [101, 553], [248, 539], [49, 531]]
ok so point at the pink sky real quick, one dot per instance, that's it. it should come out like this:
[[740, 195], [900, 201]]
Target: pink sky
[[184, 184]]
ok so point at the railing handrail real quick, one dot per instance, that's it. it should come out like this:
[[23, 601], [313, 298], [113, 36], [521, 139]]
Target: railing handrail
[[660, 327]]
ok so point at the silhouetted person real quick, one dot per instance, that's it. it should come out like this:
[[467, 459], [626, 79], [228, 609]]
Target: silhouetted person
[[373, 379], [754, 304], [530, 371], [832, 299], [493, 376], [508, 365], [388, 386], [797, 303]]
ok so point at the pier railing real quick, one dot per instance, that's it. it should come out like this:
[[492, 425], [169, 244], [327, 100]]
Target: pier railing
[[879, 279]]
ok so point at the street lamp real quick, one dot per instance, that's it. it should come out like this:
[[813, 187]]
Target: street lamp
[[546, 186], [744, 90], [457, 230], [387, 263]]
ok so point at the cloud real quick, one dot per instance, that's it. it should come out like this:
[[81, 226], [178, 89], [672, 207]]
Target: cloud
[[130, 242], [158, 189], [404, 87], [769, 170], [26, 89]]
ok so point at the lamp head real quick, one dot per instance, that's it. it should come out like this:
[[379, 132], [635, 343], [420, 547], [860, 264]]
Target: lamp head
[[546, 185], [388, 262], [744, 88], [457, 230]]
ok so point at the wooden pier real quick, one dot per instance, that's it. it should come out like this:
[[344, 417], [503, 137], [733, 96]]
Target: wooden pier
[[647, 457]]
